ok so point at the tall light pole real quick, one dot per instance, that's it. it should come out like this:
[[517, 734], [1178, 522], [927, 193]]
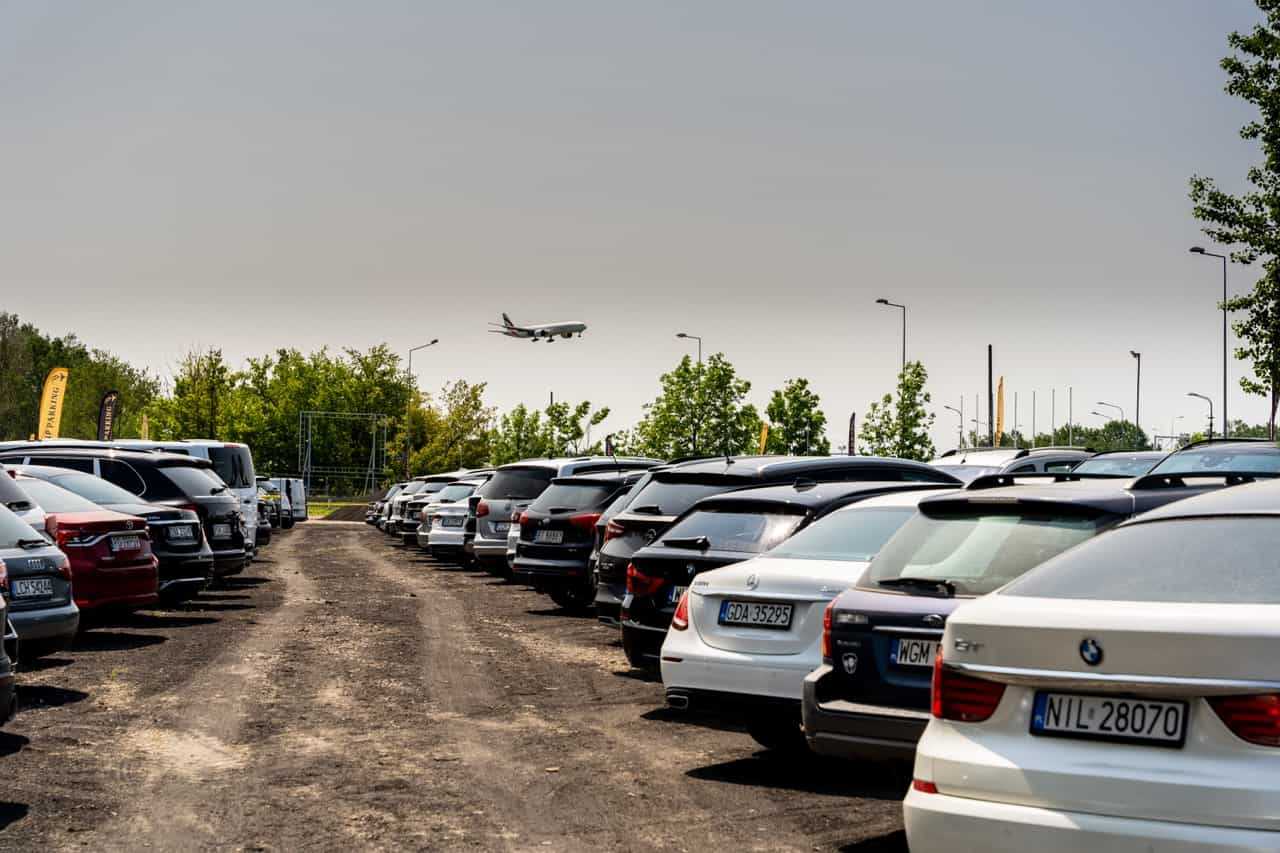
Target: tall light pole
[[409, 407], [1210, 402], [1111, 406], [697, 415], [961, 427], [1173, 425], [1199, 250], [904, 327], [1137, 400], [1109, 418]]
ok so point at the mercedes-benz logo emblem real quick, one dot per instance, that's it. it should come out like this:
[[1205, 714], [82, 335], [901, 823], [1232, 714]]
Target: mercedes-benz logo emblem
[[128, 525], [934, 620], [753, 581], [850, 663], [650, 535], [1090, 651]]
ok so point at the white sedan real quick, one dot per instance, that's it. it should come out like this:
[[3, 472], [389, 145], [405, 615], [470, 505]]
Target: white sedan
[[1125, 695], [744, 637]]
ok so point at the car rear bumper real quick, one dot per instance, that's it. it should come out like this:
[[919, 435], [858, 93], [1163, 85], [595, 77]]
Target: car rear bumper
[[48, 625], [552, 569], [857, 731], [490, 549], [451, 537], [947, 823], [609, 603], [690, 665], [229, 562]]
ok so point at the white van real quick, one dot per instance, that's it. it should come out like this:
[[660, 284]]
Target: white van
[[295, 491]]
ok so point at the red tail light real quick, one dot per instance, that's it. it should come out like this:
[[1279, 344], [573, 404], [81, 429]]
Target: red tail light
[[1255, 719], [482, 509], [826, 633], [4, 576], [924, 787], [585, 520], [520, 517], [613, 530], [189, 508], [640, 584], [680, 621], [962, 697], [63, 567]]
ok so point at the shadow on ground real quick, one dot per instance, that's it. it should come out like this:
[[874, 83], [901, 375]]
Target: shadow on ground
[[811, 774], [114, 641], [47, 696]]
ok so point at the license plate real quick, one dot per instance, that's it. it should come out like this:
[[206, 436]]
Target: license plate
[[918, 653], [501, 526], [676, 592], [755, 614], [1150, 721], [125, 543], [222, 531], [182, 531], [33, 588], [551, 537], [452, 521]]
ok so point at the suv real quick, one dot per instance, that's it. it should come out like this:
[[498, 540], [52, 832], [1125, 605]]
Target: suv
[[971, 462], [422, 510], [672, 491], [870, 697], [419, 492], [1258, 457], [160, 478], [1119, 463], [515, 486]]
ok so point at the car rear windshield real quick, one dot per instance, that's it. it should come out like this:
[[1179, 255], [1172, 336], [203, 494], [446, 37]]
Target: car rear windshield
[[234, 465], [432, 488], [1116, 466], [14, 530], [517, 484], [856, 535], [194, 481], [967, 473], [1193, 560], [53, 498], [11, 494], [740, 532], [94, 489], [1262, 459], [571, 496], [455, 492], [979, 552], [672, 497]]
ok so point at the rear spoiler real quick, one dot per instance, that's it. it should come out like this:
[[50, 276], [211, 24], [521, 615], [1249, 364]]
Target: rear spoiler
[[999, 481], [1179, 480]]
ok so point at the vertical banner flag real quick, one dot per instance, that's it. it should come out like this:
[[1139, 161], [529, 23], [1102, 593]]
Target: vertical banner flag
[[764, 437], [107, 415], [146, 429], [608, 445], [55, 388], [999, 411]]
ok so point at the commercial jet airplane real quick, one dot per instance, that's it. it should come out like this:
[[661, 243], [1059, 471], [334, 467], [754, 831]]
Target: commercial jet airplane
[[546, 331]]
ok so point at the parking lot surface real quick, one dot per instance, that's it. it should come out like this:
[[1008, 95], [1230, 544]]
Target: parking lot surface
[[348, 692]]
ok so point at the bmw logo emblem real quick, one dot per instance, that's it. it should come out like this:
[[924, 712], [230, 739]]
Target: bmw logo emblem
[[850, 663], [1090, 651]]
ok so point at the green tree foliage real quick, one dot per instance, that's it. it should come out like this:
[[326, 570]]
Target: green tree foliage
[[561, 429], [1250, 222], [700, 409], [901, 427], [797, 425], [1115, 435], [519, 435], [454, 430]]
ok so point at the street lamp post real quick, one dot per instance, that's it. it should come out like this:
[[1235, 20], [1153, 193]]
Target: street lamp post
[[960, 429], [1137, 399], [697, 412], [1111, 406], [904, 327], [1173, 425], [1210, 402], [409, 408], [1199, 250], [1096, 413]]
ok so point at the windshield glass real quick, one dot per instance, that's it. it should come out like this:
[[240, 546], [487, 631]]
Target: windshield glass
[[1194, 560], [516, 484], [967, 473], [673, 497], [744, 532], [432, 488], [11, 494], [981, 552], [14, 530], [94, 489], [455, 492], [234, 465], [194, 481], [856, 535], [411, 489], [1235, 459], [573, 496], [1117, 466], [52, 498]]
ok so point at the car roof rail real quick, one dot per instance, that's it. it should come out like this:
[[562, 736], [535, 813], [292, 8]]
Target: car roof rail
[[1220, 440], [1178, 479], [1065, 447]]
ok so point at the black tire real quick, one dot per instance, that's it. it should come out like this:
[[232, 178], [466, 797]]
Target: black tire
[[576, 597], [286, 521], [779, 731]]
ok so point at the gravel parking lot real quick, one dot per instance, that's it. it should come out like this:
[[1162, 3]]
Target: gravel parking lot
[[348, 692]]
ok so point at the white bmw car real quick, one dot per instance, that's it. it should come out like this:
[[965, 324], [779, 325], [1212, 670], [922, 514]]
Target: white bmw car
[[1125, 695], [744, 637]]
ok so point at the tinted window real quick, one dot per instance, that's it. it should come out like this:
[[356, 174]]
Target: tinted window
[[234, 465], [1060, 466], [411, 489], [1116, 466], [667, 497], [1029, 468], [982, 552], [745, 532], [194, 481], [455, 492], [75, 463], [573, 496], [516, 483], [53, 498], [122, 475], [14, 530], [95, 489], [1263, 459], [1200, 560], [432, 488], [852, 534]]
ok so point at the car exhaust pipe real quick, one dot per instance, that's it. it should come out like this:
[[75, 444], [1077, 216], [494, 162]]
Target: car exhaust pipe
[[678, 701]]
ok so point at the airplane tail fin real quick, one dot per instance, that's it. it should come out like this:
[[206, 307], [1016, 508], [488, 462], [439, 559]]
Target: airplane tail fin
[[507, 321]]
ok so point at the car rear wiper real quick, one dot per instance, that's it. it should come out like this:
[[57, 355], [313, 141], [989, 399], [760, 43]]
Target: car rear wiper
[[17, 505], [647, 509], [700, 543], [31, 543], [941, 584], [555, 509]]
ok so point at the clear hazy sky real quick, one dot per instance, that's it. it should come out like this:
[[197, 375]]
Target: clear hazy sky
[[253, 175]]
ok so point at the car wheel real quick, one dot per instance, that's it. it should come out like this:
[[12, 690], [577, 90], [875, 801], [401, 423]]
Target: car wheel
[[573, 596], [777, 730], [286, 522]]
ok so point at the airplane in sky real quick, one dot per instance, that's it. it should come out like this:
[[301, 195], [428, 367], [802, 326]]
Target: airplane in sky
[[545, 331]]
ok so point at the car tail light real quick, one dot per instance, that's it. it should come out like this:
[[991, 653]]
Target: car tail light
[[924, 786], [1255, 719], [4, 576], [680, 620], [613, 530], [520, 517], [638, 583], [482, 509], [826, 633], [963, 698], [63, 567], [585, 520], [189, 508]]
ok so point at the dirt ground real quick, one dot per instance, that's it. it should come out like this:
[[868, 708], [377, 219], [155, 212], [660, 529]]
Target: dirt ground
[[348, 693]]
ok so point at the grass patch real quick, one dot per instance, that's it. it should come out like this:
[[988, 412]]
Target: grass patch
[[322, 509]]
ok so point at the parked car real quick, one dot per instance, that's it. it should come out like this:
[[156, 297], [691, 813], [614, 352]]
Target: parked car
[[1259, 458], [608, 605], [177, 538], [264, 518], [673, 491], [972, 462], [870, 697], [1123, 696], [269, 501], [18, 502], [744, 637], [37, 596], [554, 536], [515, 486], [423, 508], [294, 490], [445, 536], [421, 490], [1119, 463], [395, 506], [110, 556], [160, 478], [382, 507]]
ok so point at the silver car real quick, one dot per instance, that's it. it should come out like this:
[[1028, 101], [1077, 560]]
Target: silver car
[[422, 509], [408, 506], [972, 462]]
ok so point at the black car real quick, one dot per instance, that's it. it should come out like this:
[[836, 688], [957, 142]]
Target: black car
[[870, 697], [718, 531], [672, 491], [557, 533], [1258, 457], [171, 479]]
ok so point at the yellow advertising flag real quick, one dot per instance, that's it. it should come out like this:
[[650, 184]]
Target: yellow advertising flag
[[999, 411], [146, 429], [55, 388], [764, 437]]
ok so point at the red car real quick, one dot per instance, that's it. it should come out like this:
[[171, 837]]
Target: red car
[[110, 552]]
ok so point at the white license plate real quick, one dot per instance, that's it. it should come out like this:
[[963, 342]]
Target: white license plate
[[907, 652], [451, 521], [222, 531], [182, 531], [33, 588], [550, 537], [501, 526], [126, 543], [755, 614], [676, 592], [1151, 721]]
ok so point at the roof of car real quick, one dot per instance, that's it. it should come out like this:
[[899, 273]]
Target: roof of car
[[558, 462], [809, 495], [623, 477], [443, 476], [1113, 495], [1260, 498], [1130, 454], [47, 471], [787, 467], [104, 452], [997, 456]]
